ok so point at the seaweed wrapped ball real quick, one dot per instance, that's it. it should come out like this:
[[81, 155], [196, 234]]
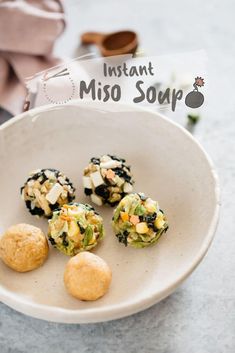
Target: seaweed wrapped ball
[[107, 180], [138, 221], [46, 190], [87, 276], [74, 228], [23, 247]]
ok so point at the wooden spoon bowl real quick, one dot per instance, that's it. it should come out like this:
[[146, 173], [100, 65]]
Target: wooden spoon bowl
[[116, 43]]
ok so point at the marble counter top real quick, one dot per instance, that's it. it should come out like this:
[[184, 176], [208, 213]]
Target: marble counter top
[[200, 316]]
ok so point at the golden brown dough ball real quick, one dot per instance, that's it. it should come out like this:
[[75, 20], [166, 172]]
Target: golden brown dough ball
[[23, 247], [87, 276]]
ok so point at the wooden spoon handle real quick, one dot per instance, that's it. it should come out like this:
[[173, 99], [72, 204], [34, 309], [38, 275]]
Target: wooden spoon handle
[[92, 38]]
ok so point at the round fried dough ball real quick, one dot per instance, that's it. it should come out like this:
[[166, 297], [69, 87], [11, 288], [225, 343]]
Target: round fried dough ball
[[87, 276], [23, 247]]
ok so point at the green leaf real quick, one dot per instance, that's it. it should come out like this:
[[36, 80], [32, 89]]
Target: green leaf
[[133, 206], [116, 214], [88, 235], [101, 230], [193, 118], [140, 210]]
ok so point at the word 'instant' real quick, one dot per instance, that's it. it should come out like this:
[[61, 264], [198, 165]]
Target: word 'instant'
[[119, 70]]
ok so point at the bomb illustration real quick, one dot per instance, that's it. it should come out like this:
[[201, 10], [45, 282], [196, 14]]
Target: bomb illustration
[[195, 99]]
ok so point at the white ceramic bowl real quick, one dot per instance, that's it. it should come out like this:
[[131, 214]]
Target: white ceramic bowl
[[168, 165]]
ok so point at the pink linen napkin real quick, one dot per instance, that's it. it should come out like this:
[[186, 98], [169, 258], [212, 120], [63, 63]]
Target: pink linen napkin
[[28, 29]]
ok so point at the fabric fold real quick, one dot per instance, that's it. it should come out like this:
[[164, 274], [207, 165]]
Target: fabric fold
[[28, 30]]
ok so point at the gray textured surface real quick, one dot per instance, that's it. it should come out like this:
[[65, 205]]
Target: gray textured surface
[[200, 316]]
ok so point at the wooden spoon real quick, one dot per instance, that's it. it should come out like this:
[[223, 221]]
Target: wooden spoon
[[117, 43]]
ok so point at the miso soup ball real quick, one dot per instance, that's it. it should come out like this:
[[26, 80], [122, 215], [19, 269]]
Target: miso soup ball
[[75, 227], [87, 276], [45, 191], [23, 247], [138, 221], [107, 179]]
